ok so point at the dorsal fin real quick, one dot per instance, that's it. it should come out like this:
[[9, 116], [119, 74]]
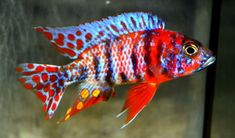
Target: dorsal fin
[[71, 41]]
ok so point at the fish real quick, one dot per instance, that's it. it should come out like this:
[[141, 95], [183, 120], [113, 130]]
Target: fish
[[130, 48]]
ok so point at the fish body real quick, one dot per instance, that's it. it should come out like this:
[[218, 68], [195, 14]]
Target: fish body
[[131, 58], [128, 48]]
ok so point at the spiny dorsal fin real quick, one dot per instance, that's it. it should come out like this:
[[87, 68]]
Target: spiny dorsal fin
[[71, 41]]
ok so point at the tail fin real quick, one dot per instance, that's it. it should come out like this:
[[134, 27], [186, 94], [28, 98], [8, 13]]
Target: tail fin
[[48, 81]]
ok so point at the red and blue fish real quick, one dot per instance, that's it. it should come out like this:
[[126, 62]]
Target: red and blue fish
[[131, 48]]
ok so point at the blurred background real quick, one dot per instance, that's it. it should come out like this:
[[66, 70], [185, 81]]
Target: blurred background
[[177, 111]]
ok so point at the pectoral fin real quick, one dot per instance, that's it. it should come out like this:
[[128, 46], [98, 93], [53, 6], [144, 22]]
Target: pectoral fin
[[138, 97]]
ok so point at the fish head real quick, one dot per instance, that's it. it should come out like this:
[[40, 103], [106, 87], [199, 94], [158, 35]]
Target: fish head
[[196, 56], [185, 57]]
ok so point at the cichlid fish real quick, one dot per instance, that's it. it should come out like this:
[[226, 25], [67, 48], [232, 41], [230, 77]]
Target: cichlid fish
[[124, 49]]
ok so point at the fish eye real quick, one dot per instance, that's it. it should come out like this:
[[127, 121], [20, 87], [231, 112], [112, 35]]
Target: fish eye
[[190, 49]]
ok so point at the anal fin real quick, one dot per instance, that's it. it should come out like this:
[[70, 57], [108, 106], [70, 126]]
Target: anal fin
[[138, 97], [89, 94]]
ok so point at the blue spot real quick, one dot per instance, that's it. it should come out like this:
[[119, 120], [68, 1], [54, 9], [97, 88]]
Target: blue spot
[[163, 63], [178, 64], [180, 70], [188, 61]]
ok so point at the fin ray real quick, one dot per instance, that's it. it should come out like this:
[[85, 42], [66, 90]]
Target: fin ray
[[137, 99]]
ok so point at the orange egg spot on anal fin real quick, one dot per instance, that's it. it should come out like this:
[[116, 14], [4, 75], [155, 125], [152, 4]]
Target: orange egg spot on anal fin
[[67, 117], [68, 111], [79, 106], [96, 92], [84, 93]]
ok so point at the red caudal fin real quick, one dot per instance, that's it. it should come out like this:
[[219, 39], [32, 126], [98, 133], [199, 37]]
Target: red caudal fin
[[138, 97], [48, 82], [89, 94]]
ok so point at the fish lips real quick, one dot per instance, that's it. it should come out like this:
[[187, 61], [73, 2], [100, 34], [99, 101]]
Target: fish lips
[[207, 63]]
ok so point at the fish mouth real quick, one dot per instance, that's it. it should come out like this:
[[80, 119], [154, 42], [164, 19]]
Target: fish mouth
[[209, 61]]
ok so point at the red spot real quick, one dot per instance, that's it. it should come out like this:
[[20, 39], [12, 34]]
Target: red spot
[[176, 51], [53, 78], [54, 85], [30, 66], [22, 80], [59, 74], [101, 33], [71, 37], [28, 73], [39, 68], [70, 45], [59, 41], [36, 78], [41, 96], [61, 82], [39, 29], [53, 106], [44, 77], [28, 86], [58, 90], [39, 86], [47, 88], [114, 28], [19, 69], [48, 35], [67, 51], [44, 108], [57, 97], [78, 33], [66, 75], [123, 25], [61, 36], [79, 44], [51, 69], [88, 36], [51, 93]]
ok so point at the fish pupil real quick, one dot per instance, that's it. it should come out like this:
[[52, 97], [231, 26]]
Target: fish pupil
[[190, 50]]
